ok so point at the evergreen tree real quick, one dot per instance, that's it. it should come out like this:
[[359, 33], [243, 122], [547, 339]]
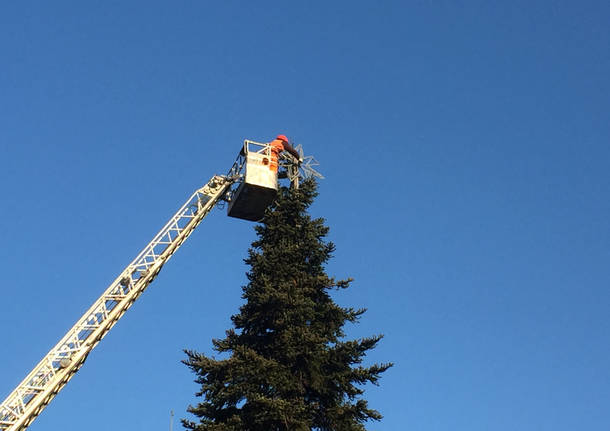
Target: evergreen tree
[[288, 366]]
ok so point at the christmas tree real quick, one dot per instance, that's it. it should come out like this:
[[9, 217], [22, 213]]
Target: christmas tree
[[287, 365]]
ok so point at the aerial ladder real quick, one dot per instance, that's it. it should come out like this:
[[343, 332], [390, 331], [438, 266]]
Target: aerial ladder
[[248, 188]]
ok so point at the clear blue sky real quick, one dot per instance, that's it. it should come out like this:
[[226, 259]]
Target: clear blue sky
[[466, 152]]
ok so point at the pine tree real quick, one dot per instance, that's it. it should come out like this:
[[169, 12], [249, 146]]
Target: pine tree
[[288, 367]]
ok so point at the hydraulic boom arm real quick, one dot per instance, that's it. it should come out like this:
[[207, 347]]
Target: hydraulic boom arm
[[33, 394]]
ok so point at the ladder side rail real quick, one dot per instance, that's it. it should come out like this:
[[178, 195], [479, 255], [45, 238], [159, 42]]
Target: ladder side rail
[[164, 230], [26, 402], [71, 338]]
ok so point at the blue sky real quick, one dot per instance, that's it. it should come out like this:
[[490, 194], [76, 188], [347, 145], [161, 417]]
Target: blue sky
[[465, 147]]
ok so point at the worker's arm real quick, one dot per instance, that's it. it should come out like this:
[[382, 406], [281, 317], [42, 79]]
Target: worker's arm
[[292, 151]]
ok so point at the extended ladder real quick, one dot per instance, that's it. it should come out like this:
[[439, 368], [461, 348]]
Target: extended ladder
[[33, 394]]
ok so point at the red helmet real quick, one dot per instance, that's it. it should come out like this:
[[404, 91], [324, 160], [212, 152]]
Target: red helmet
[[282, 138]]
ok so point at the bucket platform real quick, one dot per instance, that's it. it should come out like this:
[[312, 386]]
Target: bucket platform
[[259, 187]]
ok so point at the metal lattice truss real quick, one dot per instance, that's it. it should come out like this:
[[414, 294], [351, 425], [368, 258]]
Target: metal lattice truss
[[32, 395]]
